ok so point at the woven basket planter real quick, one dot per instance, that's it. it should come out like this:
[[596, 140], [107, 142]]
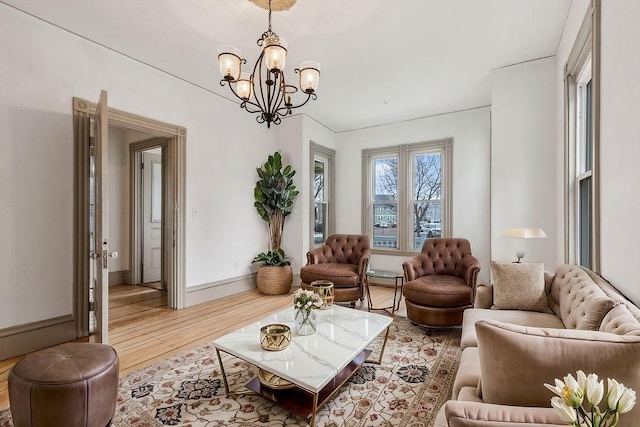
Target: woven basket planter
[[273, 280]]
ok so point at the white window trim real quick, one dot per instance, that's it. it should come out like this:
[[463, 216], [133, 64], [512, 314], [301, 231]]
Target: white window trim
[[585, 54], [404, 152]]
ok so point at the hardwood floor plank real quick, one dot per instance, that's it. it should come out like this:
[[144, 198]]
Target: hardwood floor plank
[[144, 331]]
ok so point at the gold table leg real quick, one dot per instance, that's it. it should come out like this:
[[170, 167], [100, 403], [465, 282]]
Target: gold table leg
[[384, 344], [229, 393]]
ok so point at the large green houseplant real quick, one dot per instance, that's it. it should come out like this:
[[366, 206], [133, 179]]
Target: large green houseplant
[[274, 195]]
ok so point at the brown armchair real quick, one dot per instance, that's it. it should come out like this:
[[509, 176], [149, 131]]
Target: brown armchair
[[343, 260], [440, 282]]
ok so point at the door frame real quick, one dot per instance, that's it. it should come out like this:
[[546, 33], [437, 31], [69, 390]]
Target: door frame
[[174, 225], [135, 210]]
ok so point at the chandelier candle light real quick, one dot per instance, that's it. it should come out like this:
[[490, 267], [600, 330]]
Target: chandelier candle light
[[265, 91]]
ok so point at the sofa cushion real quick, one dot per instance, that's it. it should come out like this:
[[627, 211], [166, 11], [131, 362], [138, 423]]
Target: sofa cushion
[[475, 414], [524, 318], [620, 321], [468, 373], [516, 361], [581, 303], [340, 274], [519, 286], [438, 291]]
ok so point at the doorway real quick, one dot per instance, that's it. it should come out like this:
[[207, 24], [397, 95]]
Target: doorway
[[92, 265], [148, 210]]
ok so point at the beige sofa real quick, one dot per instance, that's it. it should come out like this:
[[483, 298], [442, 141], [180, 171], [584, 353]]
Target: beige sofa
[[509, 354]]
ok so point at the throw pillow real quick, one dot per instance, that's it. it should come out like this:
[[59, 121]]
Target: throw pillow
[[516, 361], [519, 286]]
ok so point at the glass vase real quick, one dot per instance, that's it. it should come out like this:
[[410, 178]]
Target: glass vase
[[305, 321]]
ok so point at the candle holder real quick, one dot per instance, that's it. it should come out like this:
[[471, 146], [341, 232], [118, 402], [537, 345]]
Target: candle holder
[[324, 288], [275, 337]]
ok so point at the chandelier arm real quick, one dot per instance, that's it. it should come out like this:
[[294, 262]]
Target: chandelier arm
[[244, 102], [309, 96], [256, 71], [277, 95]]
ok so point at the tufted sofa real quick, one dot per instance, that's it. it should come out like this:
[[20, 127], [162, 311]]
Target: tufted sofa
[[509, 354], [441, 282], [343, 260]]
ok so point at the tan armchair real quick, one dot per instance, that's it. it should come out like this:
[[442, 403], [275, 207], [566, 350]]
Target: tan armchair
[[440, 282], [343, 260]]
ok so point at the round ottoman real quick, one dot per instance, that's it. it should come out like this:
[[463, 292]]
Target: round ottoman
[[70, 385]]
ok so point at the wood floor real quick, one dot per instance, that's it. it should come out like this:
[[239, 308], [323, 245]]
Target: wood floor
[[143, 331]]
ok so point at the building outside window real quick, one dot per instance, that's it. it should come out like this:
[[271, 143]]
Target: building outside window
[[406, 194]]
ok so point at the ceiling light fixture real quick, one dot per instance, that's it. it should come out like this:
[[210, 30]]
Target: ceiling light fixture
[[264, 91]]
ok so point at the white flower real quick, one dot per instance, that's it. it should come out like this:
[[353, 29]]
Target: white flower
[[627, 401], [594, 389], [582, 380], [616, 390], [564, 411], [569, 390]]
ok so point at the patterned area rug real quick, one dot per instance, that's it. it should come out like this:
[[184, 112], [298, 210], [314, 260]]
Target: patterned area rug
[[407, 389]]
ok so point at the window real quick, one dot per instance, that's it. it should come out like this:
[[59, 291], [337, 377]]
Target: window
[[584, 168], [322, 223], [406, 194], [581, 146]]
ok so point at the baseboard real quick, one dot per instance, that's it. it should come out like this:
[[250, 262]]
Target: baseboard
[[118, 277], [22, 339], [222, 288]]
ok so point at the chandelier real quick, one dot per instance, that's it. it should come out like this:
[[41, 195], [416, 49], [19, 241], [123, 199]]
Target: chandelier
[[265, 91]]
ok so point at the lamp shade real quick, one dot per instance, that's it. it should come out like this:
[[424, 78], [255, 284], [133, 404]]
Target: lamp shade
[[309, 76], [244, 88], [275, 54], [526, 233], [229, 60]]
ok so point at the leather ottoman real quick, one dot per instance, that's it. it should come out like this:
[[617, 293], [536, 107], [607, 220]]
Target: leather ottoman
[[70, 385]]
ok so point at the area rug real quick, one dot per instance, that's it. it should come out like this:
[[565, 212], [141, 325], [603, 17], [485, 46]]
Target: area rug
[[407, 389]]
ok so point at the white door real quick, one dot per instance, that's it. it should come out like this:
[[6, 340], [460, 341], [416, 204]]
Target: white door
[[101, 249], [152, 217]]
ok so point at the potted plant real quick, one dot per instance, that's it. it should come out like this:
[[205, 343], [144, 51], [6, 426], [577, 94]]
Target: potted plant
[[274, 195]]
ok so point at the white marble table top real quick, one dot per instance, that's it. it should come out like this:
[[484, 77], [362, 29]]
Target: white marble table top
[[310, 361]]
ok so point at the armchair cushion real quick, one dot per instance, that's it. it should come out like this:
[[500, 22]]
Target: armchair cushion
[[519, 286], [516, 361], [439, 291], [339, 274]]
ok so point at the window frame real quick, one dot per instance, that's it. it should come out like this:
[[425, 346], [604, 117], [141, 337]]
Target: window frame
[[405, 197], [327, 156], [583, 66]]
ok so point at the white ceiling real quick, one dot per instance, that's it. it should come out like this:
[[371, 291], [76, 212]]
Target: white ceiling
[[382, 61]]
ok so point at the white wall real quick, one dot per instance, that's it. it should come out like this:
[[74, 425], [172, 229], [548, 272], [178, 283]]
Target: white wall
[[620, 145], [295, 135], [619, 148], [470, 131], [523, 159], [40, 75]]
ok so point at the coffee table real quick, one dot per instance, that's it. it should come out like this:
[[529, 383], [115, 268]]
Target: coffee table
[[317, 365]]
